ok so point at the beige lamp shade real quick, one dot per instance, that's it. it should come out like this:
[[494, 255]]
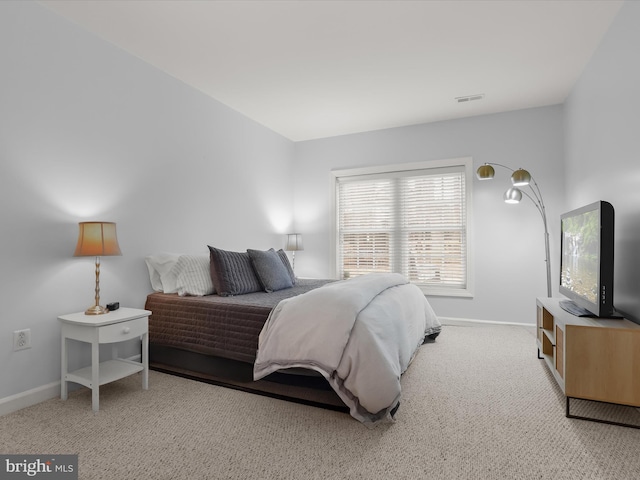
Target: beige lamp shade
[[97, 239], [294, 242]]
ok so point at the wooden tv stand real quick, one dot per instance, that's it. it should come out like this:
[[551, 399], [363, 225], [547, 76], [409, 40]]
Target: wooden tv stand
[[590, 358]]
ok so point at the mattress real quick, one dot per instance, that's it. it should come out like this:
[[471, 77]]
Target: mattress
[[226, 327]]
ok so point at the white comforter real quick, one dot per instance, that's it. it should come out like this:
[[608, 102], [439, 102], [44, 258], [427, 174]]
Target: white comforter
[[360, 334]]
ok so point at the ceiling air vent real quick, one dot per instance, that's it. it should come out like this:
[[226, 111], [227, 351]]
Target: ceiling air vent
[[470, 98]]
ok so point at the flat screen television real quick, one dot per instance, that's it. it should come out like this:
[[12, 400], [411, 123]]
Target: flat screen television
[[586, 260]]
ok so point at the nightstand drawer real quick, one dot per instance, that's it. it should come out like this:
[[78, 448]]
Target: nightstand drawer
[[119, 332]]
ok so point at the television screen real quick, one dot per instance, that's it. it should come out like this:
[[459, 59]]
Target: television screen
[[586, 263], [580, 254]]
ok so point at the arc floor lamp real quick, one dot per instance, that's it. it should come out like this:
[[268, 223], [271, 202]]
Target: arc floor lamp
[[522, 178]]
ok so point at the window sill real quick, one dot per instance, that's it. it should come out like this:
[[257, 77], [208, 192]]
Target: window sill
[[445, 292]]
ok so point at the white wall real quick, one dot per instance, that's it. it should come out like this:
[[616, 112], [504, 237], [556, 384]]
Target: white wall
[[602, 148], [509, 239], [88, 132]]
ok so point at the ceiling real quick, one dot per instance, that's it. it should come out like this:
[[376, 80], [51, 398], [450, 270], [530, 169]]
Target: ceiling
[[314, 69]]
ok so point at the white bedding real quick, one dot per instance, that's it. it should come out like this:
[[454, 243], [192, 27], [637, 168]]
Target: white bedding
[[360, 334]]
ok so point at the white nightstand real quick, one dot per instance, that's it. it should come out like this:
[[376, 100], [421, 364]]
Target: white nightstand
[[113, 327]]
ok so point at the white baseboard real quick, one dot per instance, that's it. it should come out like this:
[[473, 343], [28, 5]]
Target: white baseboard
[[22, 400], [473, 322]]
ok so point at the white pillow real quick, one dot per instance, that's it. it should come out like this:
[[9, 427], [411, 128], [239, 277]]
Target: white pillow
[[159, 266], [193, 276]]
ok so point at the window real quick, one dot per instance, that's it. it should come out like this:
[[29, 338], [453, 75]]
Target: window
[[411, 219]]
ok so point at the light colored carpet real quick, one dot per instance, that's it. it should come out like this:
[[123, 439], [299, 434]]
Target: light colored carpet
[[477, 404]]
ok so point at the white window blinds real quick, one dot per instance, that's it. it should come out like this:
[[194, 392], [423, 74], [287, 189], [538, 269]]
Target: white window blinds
[[413, 222]]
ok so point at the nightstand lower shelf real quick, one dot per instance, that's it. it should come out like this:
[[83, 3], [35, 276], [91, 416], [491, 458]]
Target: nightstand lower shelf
[[108, 372]]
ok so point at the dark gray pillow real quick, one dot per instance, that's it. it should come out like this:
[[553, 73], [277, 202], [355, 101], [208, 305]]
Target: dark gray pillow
[[287, 265], [232, 273], [272, 273]]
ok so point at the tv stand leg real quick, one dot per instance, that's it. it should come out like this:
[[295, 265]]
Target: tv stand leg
[[539, 357], [608, 422]]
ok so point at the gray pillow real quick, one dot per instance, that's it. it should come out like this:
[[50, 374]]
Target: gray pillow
[[232, 273], [287, 265], [272, 273]]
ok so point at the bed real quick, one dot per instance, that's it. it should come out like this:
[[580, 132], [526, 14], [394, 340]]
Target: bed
[[218, 337], [215, 339]]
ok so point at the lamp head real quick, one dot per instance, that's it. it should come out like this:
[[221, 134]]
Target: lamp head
[[520, 178], [513, 195], [485, 172]]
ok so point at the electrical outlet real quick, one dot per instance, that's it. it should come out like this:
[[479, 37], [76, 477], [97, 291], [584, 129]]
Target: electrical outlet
[[21, 339]]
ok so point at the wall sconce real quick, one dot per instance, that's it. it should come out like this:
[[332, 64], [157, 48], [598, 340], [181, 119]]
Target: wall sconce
[[294, 244], [97, 239], [522, 178]]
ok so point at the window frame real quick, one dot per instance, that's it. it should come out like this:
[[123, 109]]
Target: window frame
[[467, 166]]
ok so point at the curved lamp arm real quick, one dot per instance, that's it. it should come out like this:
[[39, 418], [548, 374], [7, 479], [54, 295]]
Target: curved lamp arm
[[519, 178]]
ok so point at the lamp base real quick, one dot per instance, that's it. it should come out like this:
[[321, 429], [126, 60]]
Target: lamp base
[[96, 310]]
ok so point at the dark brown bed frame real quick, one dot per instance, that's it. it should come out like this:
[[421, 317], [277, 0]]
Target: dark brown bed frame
[[308, 388]]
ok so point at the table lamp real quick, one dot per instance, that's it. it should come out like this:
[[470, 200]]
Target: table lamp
[[97, 239], [294, 244]]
